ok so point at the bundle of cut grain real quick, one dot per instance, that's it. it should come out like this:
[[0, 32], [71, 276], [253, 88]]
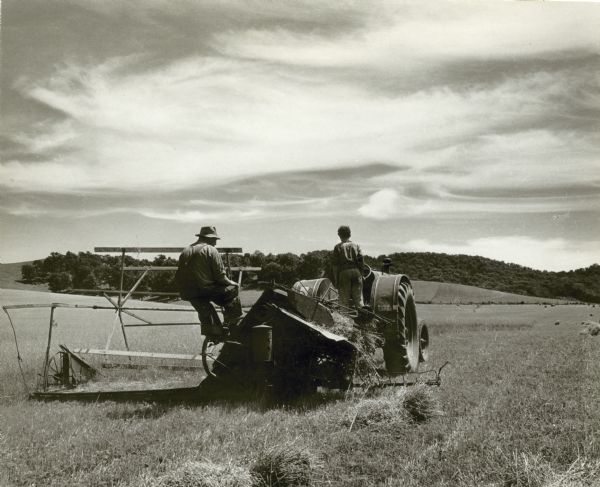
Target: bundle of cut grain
[[420, 403], [409, 404], [591, 328], [285, 465], [384, 411]]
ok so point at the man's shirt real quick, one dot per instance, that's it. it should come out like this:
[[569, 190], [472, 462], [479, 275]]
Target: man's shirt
[[200, 266], [347, 255]]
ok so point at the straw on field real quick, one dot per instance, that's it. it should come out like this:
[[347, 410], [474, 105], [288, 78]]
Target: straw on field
[[590, 328], [533, 470], [420, 403], [366, 338], [580, 473], [285, 465], [383, 411], [411, 404], [204, 474]]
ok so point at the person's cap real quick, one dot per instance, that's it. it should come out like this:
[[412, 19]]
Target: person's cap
[[208, 232]]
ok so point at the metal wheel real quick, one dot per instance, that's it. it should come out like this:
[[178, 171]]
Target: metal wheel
[[59, 372], [321, 289], [392, 297], [54, 371], [211, 348]]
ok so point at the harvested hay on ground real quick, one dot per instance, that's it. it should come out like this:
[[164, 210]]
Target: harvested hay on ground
[[407, 405], [384, 411], [590, 328], [285, 465], [420, 403], [205, 474]]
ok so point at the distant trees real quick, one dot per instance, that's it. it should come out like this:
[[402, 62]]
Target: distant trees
[[59, 281], [271, 271], [86, 270], [91, 271], [79, 271], [28, 272], [580, 284]]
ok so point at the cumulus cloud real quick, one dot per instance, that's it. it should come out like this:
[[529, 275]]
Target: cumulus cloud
[[381, 205]]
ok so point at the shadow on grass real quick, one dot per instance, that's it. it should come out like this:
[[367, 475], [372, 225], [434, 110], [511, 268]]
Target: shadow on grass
[[138, 411]]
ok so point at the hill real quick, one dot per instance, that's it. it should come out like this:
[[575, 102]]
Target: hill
[[10, 278], [581, 284]]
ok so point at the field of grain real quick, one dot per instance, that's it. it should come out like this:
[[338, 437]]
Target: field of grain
[[519, 405]]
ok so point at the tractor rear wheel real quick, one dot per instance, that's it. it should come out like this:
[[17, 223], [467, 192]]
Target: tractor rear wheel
[[392, 298]]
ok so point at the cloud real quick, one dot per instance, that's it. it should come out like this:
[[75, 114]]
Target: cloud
[[200, 216], [133, 123], [208, 120], [29, 210], [241, 210], [177, 209], [245, 111], [381, 205], [555, 254], [406, 36], [48, 137]]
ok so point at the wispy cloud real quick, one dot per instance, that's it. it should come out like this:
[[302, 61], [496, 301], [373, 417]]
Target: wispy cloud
[[200, 216], [404, 36], [175, 131]]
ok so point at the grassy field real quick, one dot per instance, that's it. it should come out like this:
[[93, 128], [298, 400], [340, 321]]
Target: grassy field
[[519, 406]]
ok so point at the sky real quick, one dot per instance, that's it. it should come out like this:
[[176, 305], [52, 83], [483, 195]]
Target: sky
[[430, 126]]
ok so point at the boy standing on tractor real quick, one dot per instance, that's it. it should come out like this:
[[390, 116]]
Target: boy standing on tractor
[[347, 261]]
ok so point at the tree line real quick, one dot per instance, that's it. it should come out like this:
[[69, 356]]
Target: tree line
[[86, 270]]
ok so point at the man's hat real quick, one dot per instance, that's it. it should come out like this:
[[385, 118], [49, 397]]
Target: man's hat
[[208, 232]]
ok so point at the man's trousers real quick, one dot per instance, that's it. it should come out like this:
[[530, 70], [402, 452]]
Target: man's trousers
[[225, 296], [350, 288]]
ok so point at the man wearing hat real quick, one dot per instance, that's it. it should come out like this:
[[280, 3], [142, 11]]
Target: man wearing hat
[[201, 278]]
